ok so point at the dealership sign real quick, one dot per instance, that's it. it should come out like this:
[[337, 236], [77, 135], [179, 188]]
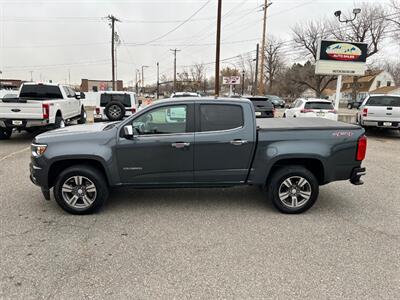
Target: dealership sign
[[341, 58], [231, 80]]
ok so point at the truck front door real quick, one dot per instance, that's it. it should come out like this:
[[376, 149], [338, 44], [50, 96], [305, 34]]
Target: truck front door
[[162, 149], [225, 143]]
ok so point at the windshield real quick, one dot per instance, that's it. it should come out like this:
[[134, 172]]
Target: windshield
[[383, 101], [40, 91]]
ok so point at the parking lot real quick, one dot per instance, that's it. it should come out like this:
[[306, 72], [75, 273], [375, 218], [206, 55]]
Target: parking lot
[[203, 243]]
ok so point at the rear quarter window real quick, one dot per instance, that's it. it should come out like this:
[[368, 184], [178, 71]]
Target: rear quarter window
[[318, 105], [216, 117], [383, 101]]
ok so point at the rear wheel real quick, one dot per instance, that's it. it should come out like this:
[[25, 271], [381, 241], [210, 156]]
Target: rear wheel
[[5, 133], [349, 106], [293, 189], [60, 123], [82, 119], [81, 190]]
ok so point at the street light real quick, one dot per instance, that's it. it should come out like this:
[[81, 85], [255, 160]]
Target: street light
[[338, 15]]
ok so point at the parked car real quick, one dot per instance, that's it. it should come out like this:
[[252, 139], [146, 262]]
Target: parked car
[[311, 108], [114, 106], [380, 111], [216, 143], [354, 104], [277, 101], [184, 94], [40, 105], [262, 105]]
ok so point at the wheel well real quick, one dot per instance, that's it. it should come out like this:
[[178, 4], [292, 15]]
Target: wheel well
[[59, 166], [58, 114], [315, 166]]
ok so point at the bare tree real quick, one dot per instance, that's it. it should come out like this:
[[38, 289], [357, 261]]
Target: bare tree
[[198, 76], [273, 60], [306, 37], [394, 18], [369, 27], [247, 64]]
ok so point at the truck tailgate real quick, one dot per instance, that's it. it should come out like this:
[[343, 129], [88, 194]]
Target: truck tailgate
[[382, 113], [31, 110]]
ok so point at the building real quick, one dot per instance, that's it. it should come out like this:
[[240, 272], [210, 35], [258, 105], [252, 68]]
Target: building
[[393, 90], [89, 85], [370, 83], [308, 93], [10, 84]]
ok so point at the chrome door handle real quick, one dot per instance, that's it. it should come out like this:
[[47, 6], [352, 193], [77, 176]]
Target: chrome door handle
[[180, 145], [238, 142]]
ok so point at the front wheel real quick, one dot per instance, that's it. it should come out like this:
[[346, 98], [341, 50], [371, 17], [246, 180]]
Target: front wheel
[[293, 189], [5, 133], [81, 190]]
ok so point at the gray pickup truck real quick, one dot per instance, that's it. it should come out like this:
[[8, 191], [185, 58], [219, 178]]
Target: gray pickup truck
[[197, 143]]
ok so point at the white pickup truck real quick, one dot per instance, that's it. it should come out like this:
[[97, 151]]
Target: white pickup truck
[[40, 105], [380, 111]]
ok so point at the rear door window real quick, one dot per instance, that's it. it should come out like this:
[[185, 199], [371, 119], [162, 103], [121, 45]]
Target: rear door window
[[318, 105], [383, 101], [125, 99], [40, 92], [216, 117]]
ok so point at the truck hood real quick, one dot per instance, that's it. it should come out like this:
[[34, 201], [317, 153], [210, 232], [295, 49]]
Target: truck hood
[[77, 133]]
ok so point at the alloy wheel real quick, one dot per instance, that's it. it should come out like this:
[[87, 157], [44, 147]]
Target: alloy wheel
[[295, 191], [79, 192]]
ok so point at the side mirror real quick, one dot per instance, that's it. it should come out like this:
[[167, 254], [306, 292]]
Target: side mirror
[[128, 131], [83, 96], [77, 96]]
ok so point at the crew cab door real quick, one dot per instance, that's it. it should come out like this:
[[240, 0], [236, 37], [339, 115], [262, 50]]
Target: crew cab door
[[225, 140], [162, 149]]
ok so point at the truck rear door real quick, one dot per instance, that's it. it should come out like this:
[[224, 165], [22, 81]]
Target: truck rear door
[[224, 142], [382, 108]]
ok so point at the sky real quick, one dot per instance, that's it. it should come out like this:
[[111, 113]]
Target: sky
[[67, 40]]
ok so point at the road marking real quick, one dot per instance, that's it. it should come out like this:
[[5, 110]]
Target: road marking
[[14, 153]]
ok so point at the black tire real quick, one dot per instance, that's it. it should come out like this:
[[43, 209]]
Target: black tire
[[59, 123], [284, 116], [82, 119], [349, 106], [115, 111], [293, 174], [5, 133], [94, 176]]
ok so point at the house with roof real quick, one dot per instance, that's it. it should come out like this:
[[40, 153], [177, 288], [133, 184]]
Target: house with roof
[[373, 82]]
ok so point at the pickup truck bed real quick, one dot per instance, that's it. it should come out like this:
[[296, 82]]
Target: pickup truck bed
[[302, 124]]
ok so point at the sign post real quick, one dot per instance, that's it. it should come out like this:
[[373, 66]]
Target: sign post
[[231, 81], [341, 58]]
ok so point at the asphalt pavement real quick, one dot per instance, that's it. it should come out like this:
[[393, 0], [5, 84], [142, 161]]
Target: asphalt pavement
[[203, 243]]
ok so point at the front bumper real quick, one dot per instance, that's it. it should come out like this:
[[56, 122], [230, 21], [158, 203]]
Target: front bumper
[[356, 174]]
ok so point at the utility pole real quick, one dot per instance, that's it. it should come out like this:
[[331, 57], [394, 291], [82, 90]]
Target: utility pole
[[261, 89], [158, 80], [218, 49], [175, 50], [256, 72], [243, 82], [112, 24], [143, 78]]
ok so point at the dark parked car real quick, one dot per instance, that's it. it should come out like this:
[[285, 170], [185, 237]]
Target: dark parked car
[[277, 101], [262, 105], [354, 104], [214, 143]]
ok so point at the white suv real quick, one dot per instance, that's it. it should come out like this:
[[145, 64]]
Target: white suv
[[380, 111], [311, 108], [40, 105], [114, 106]]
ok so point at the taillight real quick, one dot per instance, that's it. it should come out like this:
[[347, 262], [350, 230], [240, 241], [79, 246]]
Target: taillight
[[306, 110], [365, 112], [361, 148], [133, 110], [97, 110], [45, 111]]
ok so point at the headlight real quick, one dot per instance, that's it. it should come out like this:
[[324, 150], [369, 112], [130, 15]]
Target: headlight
[[38, 150]]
